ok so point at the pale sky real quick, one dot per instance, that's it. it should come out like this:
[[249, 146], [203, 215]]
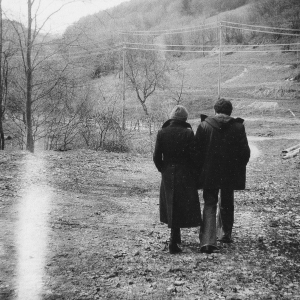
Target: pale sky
[[70, 13]]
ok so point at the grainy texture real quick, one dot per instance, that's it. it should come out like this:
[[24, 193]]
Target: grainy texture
[[106, 241]]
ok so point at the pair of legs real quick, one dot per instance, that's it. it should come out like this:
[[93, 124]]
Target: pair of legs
[[208, 231], [175, 238]]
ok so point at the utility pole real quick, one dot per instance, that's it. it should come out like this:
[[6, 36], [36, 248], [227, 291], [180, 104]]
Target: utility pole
[[298, 52], [220, 60], [124, 88], [217, 29]]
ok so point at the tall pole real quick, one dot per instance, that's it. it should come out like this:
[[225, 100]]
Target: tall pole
[[220, 61], [297, 53], [124, 88], [217, 30]]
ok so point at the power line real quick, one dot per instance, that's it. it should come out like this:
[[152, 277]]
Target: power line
[[263, 45], [94, 43], [77, 54], [262, 31], [169, 45], [167, 50], [262, 26], [167, 30], [96, 53], [170, 32], [207, 51], [201, 27], [184, 30], [116, 47], [19, 48], [76, 45], [208, 46]]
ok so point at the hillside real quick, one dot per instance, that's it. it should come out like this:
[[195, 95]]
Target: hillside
[[245, 78], [152, 15], [171, 14], [258, 67], [246, 71]]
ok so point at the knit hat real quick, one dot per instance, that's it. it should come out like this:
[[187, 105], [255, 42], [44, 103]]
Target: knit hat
[[179, 112]]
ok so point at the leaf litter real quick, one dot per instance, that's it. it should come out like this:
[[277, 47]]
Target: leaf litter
[[106, 241]]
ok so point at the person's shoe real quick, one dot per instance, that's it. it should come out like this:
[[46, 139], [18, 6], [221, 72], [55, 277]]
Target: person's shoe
[[225, 239], [174, 249], [208, 249]]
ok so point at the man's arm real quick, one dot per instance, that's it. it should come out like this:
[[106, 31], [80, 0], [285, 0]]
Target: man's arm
[[158, 155], [244, 147]]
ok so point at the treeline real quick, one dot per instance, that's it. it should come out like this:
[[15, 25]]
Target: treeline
[[210, 7], [152, 15], [276, 13]]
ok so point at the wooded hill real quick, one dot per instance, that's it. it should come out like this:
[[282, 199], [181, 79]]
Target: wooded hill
[[171, 14], [104, 30]]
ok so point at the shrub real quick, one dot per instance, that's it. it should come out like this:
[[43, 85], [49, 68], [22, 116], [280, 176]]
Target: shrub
[[116, 146]]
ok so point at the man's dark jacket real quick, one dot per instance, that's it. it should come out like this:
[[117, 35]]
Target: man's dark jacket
[[223, 141], [173, 156]]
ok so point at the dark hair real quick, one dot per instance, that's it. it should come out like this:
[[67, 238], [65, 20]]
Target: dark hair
[[223, 106]]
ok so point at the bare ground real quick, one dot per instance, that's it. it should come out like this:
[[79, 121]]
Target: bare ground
[[105, 241]]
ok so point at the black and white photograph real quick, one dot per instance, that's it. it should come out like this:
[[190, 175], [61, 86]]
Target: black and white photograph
[[149, 149]]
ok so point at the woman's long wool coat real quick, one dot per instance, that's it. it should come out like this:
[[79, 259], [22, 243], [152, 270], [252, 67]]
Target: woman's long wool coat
[[173, 156]]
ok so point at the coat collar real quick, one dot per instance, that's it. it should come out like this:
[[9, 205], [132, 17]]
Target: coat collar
[[220, 121], [176, 123]]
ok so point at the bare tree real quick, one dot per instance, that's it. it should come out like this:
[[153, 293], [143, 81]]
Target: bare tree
[[36, 51], [7, 53], [145, 72], [64, 122], [176, 92], [1, 89]]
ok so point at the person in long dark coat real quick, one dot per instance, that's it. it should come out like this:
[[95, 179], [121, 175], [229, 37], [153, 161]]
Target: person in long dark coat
[[173, 156], [223, 142]]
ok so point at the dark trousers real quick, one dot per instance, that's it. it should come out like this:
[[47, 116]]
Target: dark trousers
[[226, 217], [208, 231]]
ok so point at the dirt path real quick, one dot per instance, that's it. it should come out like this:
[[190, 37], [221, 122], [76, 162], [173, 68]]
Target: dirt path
[[33, 209], [94, 232], [24, 228]]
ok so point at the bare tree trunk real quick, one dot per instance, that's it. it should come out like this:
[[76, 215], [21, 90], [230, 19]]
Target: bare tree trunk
[[144, 108], [29, 136], [2, 142]]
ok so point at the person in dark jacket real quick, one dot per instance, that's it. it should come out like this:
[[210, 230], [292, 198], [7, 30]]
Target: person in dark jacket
[[179, 204], [225, 152]]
